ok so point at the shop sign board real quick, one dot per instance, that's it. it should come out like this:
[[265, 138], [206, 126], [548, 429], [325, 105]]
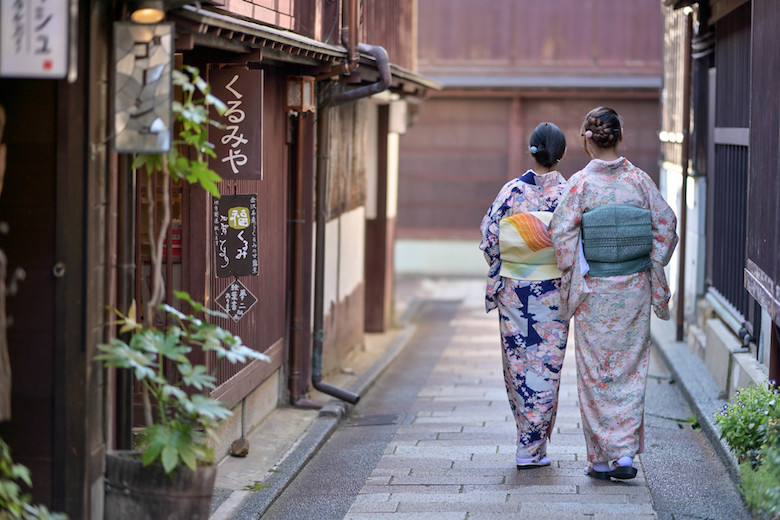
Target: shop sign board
[[235, 235], [34, 38], [238, 144]]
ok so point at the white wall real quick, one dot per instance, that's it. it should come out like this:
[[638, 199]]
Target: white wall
[[439, 258], [344, 255]]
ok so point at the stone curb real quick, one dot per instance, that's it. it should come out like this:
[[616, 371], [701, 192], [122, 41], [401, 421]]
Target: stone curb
[[250, 505], [697, 385]]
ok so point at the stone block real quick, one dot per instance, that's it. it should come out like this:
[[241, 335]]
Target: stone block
[[746, 371], [721, 343]]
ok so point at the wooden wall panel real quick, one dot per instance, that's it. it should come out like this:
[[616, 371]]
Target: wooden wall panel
[[764, 172], [459, 153], [264, 324], [28, 206], [566, 36]]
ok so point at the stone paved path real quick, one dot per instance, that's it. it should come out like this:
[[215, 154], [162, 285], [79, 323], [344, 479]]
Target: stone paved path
[[453, 458]]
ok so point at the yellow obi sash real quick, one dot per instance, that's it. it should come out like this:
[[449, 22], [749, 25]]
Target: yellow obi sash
[[525, 247]]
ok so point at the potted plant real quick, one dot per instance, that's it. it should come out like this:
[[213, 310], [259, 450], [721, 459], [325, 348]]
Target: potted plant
[[178, 413]]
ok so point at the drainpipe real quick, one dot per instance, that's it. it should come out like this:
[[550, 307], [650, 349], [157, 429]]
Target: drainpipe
[[686, 154], [323, 144], [349, 28], [301, 224]]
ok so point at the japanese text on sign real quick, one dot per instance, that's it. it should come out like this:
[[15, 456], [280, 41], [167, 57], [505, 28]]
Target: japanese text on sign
[[34, 38], [238, 144], [235, 235], [236, 300]]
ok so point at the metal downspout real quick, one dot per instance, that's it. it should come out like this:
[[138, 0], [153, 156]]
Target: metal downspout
[[301, 224], [686, 154], [323, 144]]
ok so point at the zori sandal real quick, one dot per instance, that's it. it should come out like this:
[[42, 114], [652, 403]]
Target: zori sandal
[[535, 462]]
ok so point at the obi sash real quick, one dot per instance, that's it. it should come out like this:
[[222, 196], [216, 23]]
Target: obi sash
[[525, 247], [617, 239]]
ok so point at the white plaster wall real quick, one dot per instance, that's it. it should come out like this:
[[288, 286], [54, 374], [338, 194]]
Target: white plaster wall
[[331, 270], [370, 158], [439, 258], [352, 244], [695, 247], [393, 140]]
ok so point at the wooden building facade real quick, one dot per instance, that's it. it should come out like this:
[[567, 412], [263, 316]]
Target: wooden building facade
[[718, 77], [506, 66], [322, 192]]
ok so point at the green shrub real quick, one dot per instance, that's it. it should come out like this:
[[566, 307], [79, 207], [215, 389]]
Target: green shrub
[[743, 422], [14, 504], [760, 481]]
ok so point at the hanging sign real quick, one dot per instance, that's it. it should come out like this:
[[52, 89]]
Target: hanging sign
[[236, 300], [143, 92], [34, 38], [235, 235], [239, 143]]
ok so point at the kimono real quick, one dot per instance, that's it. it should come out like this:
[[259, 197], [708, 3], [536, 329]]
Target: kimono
[[532, 335], [612, 314]]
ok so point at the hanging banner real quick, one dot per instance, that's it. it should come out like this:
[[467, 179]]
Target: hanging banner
[[143, 91], [235, 235], [239, 143], [34, 38]]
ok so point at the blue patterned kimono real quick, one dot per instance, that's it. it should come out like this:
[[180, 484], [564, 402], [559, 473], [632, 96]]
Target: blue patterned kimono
[[533, 336]]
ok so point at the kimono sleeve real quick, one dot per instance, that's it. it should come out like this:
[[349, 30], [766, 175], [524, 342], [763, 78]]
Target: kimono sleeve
[[489, 243], [565, 226], [664, 225], [665, 239]]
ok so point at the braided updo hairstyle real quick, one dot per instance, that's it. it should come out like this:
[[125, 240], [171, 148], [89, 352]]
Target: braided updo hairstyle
[[605, 126], [547, 144]]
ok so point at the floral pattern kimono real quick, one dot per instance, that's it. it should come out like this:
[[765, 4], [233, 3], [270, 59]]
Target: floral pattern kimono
[[533, 337], [612, 314]]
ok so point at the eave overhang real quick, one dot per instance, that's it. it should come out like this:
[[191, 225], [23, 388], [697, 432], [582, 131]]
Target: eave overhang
[[225, 32]]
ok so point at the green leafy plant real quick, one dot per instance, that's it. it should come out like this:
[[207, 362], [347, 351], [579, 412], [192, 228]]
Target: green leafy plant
[[14, 504], [760, 480], [182, 419], [178, 413], [743, 422]]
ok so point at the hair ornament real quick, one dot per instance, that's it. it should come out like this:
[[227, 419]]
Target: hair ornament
[[588, 134], [534, 149]]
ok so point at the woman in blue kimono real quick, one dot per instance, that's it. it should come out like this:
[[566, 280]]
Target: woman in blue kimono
[[524, 284]]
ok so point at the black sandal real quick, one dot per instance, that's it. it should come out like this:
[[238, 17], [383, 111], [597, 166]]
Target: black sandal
[[618, 472]]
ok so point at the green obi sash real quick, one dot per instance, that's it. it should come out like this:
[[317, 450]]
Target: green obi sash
[[617, 239], [525, 247]]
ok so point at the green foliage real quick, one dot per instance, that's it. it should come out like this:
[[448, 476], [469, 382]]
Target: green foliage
[[192, 115], [13, 503], [743, 422], [760, 481], [184, 415]]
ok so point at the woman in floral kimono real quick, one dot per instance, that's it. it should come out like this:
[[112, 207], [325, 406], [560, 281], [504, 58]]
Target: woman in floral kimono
[[609, 283], [523, 283]]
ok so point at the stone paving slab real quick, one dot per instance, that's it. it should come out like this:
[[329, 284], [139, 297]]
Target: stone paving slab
[[453, 456]]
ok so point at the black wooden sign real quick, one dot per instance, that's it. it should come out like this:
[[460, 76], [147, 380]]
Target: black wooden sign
[[235, 235]]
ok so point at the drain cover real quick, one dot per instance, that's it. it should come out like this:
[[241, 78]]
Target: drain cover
[[374, 420]]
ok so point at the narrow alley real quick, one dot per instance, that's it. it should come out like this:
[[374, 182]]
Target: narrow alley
[[434, 438]]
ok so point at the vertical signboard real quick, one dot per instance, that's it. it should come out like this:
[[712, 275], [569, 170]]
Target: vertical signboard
[[34, 38], [143, 92], [239, 143], [235, 235]]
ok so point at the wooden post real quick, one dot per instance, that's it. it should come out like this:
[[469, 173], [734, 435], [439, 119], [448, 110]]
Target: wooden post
[[5, 361]]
